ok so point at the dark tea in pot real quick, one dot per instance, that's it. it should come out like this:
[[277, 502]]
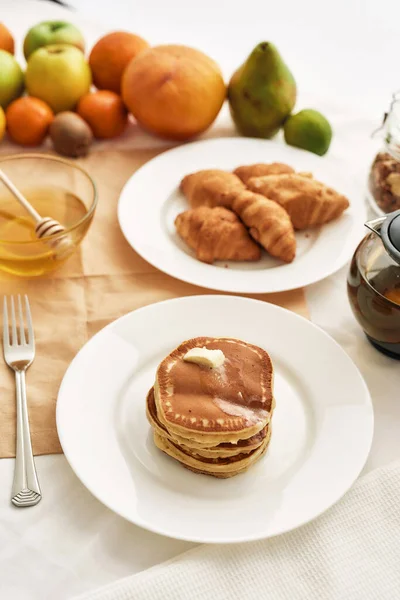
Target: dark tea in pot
[[373, 286]]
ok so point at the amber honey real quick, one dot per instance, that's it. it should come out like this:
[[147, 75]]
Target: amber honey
[[21, 253]]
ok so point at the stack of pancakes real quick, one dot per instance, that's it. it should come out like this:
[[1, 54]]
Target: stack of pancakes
[[214, 421]]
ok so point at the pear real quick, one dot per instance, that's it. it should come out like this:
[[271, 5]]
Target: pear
[[261, 93]]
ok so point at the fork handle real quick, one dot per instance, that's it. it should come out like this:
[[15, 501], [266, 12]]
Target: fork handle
[[25, 489]]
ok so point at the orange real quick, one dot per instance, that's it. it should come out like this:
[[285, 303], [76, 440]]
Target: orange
[[6, 39], [28, 120], [110, 56], [104, 112], [174, 91]]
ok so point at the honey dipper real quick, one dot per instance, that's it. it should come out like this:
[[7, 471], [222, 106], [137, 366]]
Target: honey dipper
[[45, 226]]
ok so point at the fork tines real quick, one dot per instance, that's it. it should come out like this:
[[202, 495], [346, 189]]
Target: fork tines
[[16, 334]]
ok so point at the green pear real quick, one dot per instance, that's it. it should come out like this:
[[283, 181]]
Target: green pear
[[261, 93]]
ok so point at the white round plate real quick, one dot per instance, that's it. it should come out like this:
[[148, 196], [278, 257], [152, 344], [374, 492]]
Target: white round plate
[[151, 200], [321, 436]]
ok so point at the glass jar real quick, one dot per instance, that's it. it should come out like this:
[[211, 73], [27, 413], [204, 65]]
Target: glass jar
[[383, 187]]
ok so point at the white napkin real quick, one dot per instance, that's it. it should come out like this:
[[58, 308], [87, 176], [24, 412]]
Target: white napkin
[[351, 552]]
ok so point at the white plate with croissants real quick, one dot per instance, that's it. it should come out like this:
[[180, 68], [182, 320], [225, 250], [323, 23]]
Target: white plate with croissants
[[243, 215]]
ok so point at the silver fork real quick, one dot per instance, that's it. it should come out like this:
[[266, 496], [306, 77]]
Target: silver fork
[[19, 352]]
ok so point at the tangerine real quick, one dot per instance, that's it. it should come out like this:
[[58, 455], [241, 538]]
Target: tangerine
[[2, 123], [111, 55], [28, 120], [6, 39], [104, 112]]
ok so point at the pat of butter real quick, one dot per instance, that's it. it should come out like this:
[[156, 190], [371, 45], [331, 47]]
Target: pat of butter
[[203, 356]]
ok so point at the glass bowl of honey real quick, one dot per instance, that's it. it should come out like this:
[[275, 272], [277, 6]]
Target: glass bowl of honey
[[56, 188]]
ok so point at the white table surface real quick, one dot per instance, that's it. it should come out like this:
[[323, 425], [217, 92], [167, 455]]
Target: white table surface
[[345, 58]]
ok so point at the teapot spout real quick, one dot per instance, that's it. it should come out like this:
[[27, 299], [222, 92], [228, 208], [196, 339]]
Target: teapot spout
[[375, 225]]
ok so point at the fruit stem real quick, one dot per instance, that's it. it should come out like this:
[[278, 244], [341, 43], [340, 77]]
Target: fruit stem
[[56, 26]]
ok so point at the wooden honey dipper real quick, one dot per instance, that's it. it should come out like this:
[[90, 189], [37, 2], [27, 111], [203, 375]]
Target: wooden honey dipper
[[45, 226]]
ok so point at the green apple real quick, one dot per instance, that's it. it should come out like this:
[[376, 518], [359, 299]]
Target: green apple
[[11, 79], [59, 75], [52, 32]]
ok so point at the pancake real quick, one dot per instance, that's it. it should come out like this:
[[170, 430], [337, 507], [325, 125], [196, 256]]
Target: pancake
[[217, 467], [211, 406], [214, 420], [207, 460], [190, 447], [224, 474], [216, 452]]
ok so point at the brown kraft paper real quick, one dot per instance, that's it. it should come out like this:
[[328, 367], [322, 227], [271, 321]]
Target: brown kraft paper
[[102, 281]]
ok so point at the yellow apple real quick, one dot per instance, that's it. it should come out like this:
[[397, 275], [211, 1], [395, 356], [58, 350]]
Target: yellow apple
[[59, 75]]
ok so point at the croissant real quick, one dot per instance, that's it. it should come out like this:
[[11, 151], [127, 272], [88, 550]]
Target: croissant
[[211, 187], [268, 223], [246, 172], [307, 201], [216, 234]]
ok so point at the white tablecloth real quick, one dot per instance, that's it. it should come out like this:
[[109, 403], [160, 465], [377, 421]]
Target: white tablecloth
[[349, 553], [345, 58]]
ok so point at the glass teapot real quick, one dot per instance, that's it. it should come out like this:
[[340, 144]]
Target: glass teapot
[[373, 284]]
